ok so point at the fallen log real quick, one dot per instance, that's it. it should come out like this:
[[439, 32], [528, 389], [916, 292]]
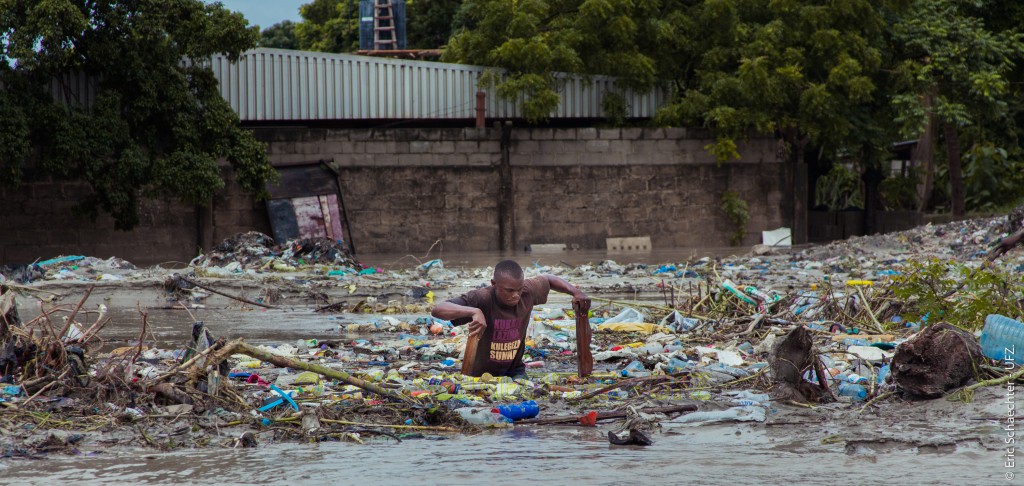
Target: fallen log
[[607, 415], [240, 347]]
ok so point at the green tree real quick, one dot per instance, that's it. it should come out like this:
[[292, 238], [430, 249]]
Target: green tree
[[532, 40], [280, 35], [963, 66], [807, 71], [329, 26], [429, 22], [155, 126]]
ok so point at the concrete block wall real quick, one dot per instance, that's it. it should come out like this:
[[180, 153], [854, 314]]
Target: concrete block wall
[[232, 212], [571, 185], [39, 222], [406, 188], [408, 209]]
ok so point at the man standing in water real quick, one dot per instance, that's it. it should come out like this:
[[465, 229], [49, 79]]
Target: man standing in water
[[500, 314]]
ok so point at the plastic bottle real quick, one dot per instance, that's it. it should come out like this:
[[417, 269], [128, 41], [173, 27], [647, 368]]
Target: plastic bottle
[[731, 287], [482, 416], [687, 323], [524, 410], [883, 373], [618, 394], [652, 348], [675, 365], [852, 390], [853, 378], [1002, 339], [855, 342], [635, 369]]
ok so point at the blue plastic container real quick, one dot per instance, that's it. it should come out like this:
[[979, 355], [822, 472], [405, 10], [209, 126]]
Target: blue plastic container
[[854, 391], [524, 410], [1002, 339]]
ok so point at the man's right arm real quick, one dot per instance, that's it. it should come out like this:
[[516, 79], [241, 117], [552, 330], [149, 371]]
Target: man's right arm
[[450, 311]]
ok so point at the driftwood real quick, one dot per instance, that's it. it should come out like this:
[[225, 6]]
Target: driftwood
[[469, 357], [583, 333], [71, 318], [622, 384], [607, 415], [240, 347], [224, 294]]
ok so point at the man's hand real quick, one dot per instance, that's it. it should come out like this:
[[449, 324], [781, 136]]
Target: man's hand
[[478, 324], [580, 301]]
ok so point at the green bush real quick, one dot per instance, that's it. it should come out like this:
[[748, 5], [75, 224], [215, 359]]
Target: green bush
[[736, 209], [839, 189], [953, 292]]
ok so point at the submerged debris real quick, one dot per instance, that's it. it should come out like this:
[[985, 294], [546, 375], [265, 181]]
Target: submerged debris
[[939, 359]]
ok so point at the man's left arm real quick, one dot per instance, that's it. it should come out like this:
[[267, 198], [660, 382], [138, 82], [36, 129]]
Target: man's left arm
[[560, 285]]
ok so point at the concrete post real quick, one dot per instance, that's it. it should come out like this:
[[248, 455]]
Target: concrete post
[[481, 109], [506, 193]]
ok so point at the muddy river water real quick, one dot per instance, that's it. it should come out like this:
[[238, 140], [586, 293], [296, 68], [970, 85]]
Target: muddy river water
[[736, 454], [934, 442]]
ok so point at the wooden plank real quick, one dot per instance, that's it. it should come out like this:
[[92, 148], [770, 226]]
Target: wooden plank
[[334, 210]]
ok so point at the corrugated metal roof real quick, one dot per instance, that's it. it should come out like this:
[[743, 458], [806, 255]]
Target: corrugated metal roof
[[285, 85]]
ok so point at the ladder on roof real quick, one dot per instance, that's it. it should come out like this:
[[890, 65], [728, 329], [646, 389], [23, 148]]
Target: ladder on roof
[[383, 26]]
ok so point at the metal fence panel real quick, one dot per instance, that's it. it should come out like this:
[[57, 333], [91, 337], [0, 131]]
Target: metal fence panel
[[284, 85]]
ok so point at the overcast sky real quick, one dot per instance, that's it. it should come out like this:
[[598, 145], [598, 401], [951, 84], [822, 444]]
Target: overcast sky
[[265, 13]]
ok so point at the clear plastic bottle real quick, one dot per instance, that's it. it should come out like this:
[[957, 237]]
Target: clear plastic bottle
[[635, 369], [482, 416], [1002, 339]]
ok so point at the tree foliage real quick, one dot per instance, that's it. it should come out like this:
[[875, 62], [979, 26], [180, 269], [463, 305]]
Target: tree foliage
[[430, 22], [155, 126], [329, 26], [280, 35], [847, 77], [946, 47], [805, 70], [534, 39]]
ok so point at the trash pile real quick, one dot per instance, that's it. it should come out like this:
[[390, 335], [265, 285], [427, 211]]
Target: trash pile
[[71, 267], [254, 251], [844, 326]]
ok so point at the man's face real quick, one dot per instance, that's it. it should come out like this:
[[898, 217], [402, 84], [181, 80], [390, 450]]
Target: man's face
[[508, 289]]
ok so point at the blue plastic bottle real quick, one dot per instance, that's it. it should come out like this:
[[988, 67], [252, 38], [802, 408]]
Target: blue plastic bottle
[[1002, 339], [852, 390], [524, 410]]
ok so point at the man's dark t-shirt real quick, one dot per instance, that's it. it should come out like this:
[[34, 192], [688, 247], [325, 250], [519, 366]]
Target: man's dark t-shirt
[[501, 347]]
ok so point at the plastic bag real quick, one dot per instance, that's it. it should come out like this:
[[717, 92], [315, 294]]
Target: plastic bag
[[628, 314]]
